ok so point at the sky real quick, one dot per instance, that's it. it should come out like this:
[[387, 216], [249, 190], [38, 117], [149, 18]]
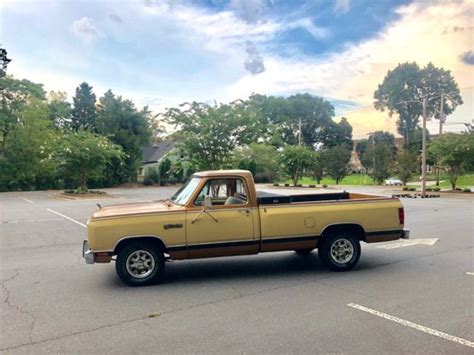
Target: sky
[[162, 53]]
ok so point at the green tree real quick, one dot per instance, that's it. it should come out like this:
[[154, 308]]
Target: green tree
[[84, 155], [377, 154], [335, 162], [4, 60], [84, 111], [15, 95], [26, 163], [404, 88], [165, 167], [455, 153], [336, 133], [123, 124], [406, 165], [260, 159], [282, 117], [295, 160], [211, 133], [318, 166], [59, 109]]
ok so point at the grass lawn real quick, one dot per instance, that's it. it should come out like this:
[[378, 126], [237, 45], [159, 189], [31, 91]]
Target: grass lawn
[[361, 179], [463, 181], [354, 179]]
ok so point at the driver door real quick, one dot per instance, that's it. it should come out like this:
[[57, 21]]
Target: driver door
[[226, 227]]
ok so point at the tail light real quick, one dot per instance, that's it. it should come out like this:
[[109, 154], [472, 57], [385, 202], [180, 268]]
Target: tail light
[[401, 215]]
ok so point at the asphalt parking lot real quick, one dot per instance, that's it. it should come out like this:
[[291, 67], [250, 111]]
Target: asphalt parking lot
[[406, 297]]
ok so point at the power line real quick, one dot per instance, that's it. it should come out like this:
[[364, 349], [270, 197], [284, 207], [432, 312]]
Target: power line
[[367, 107]]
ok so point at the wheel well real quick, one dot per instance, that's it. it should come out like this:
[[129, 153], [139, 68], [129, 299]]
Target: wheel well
[[154, 241], [355, 229]]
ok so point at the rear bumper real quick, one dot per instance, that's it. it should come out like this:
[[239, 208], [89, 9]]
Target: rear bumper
[[387, 235], [406, 234], [87, 254]]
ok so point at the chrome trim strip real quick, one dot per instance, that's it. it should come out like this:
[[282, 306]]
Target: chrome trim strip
[[136, 214], [305, 204]]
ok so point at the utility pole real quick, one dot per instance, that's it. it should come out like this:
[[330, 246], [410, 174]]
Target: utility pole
[[441, 115], [423, 150], [299, 132], [441, 121], [373, 158]]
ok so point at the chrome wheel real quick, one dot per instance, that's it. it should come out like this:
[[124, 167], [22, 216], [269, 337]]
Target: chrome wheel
[[342, 251], [140, 264]]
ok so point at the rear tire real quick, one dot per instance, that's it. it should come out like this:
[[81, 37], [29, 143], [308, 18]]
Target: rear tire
[[340, 251], [140, 264]]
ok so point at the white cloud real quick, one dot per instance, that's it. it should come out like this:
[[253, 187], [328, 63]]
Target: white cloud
[[308, 25], [354, 73], [250, 10], [342, 6], [85, 29]]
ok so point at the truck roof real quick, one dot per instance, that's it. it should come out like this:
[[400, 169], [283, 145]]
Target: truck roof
[[235, 172]]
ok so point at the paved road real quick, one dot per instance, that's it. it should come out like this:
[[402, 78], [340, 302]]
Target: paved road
[[416, 298]]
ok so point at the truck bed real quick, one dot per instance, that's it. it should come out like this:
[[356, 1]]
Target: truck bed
[[266, 198]]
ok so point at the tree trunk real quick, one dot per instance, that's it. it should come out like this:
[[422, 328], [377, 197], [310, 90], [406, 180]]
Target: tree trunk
[[83, 180]]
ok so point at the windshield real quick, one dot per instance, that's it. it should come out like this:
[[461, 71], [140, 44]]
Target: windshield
[[182, 196]]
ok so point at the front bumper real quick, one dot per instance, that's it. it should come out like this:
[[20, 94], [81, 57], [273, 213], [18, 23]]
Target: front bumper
[[406, 234], [87, 254]]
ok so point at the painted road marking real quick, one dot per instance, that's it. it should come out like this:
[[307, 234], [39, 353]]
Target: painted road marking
[[408, 243], [32, 220], [25, 199], [68, 218], [470, 273], [407, 323]]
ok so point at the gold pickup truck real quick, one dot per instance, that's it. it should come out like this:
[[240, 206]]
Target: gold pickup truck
[[219, 213]]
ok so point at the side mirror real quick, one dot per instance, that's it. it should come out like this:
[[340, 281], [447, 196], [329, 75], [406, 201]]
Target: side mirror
[[207, 203]]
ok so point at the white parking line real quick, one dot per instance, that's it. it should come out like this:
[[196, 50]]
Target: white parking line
[[408, 243], [470, 273], [68, 218], [31, 220], [413, 325], [25, 199]]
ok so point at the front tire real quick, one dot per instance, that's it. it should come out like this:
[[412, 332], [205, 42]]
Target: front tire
[[140, 264], [340, 251]]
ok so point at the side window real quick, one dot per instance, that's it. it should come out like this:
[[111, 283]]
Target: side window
[[223, 192]]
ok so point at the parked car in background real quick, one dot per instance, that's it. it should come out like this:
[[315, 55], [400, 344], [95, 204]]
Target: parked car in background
[[393, 181]]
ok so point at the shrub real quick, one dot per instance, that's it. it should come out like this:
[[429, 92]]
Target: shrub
[[436, 189], [466, 190], [311, 185], [299, 185], [405, 188], [429, 189], [324, 186], [147, 181], [287, 185], [265, 177], [154, 175], [276, 184], [412, 189], [458, 189]]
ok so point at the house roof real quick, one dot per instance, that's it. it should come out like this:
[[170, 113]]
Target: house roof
[[157, 151]]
